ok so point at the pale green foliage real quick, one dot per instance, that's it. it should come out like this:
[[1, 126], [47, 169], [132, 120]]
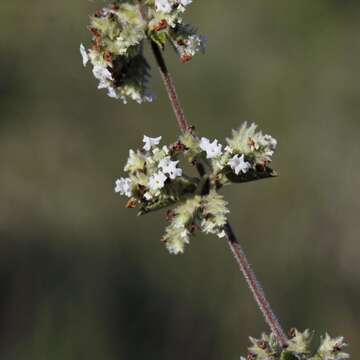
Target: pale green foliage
[[264, 348], [253, 144], [116, 53], [300, 341], [164, 27], [332, 348], [177, 234], [205, 213], [214, 213], [156, 181], [256, 148], [119, 27], [299, 348], [191, 143], [136, 162]]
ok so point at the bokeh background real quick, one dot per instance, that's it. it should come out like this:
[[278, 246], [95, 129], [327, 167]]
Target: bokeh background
[[82, 277]]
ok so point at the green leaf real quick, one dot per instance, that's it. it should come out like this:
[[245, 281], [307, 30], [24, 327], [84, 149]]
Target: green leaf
[[251, 175], [157, 205]]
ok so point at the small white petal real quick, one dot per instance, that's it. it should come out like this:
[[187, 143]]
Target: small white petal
[[102, 73], [148, 196], [169, 167], [84, 54], [150, 142], [163, 6], [238, 163], [185, 2], [112, 93], [212, 150], [123, 186], [157, 181]]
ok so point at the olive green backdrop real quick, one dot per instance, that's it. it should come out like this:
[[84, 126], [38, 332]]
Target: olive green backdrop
[[83, 278]]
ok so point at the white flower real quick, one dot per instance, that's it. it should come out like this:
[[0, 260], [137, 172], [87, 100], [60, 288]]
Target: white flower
[[194, 44], [213, 149], [148, 196], [157, 181], [169, 167], [221, 234], [185, 2], [112, 93], [102, 74], [150, 142], [84, 54], [270, 142], [123, 186], [332, 348], [163, 6], [237, 163]]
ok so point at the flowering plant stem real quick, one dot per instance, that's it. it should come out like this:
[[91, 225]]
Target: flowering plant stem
[[239, 254]]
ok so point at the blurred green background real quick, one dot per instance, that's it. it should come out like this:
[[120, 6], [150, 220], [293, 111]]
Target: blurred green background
[[82, 277]]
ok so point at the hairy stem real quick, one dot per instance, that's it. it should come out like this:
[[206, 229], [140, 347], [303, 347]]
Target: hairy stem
[[170, 88], [239, 254], [255, 286]]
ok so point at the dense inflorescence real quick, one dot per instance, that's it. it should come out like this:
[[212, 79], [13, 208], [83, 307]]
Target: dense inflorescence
[[156, 180], [118, 35], [299, 348]]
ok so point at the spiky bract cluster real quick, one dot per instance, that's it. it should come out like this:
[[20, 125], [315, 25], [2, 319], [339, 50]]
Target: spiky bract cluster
[[299, 348], [156, 181], [246, 157], [118, 34]]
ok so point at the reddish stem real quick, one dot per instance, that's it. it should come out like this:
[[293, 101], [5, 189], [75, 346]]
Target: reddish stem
[[170, 88], [238, 252], [255, 286]]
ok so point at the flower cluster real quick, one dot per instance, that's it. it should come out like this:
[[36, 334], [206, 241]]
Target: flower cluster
[[165, 24], [299, 347], [155, 179], [153, 173], [206, 213], [118, 34], [246, 157]]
